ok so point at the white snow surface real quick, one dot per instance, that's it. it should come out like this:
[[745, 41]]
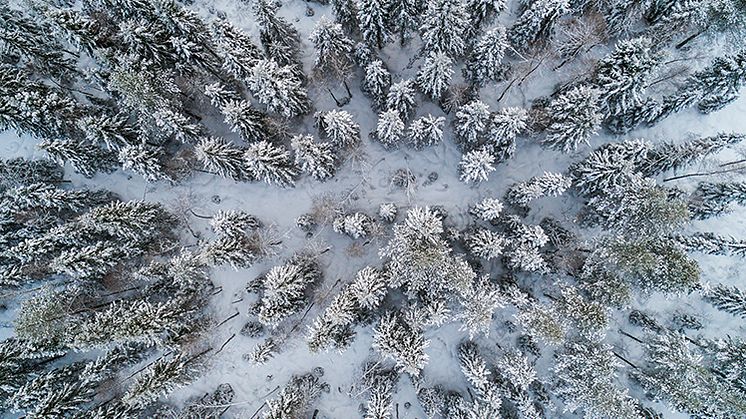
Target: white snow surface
[[366, 187]]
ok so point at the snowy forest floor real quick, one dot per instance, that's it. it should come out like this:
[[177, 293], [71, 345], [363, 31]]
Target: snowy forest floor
[[364, 186]]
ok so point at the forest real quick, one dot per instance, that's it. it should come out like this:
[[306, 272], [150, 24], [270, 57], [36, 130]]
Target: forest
[[376, 209]]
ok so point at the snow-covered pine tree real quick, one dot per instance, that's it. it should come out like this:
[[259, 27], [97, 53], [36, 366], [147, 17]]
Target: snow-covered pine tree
[[235, 47], [139, 222], [162, 377], [669, 156], [485, 60], [345, 13], [374, 21], [401, 97], [485, 244], [477, 373], [245, 119], [712, 199], [389, 129], [112, 130], [575, 118], [233, 223], [355, 225], [609, 166], [679, 373], [219, 156], [476, 165], [405, 18], [387, 212], [278, 88], [270, 163], [488, 209], [333, 49], [435, 74], [590, 318], [144, 160], [238, 251], [730, 299], [445, 27], [280, 39], [426, 131], [548, 184], [340, 128], [283, 288], [477, 307], [316, 159], [536, 22], [471, 123], [376, 83], [621, 78], [483, 11], [584, 378], [84, 158], [405, 345], [507, 124], [176, 125], [639, 208], [295, 398]]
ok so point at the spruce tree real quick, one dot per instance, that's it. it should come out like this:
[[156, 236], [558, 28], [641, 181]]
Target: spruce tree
[[426, 131], [333, 49], [345, 13], [219, 156], [162, 377], [283, 289], [84, 158], [278, 88], [143, 160], [374, 21], [280, 39], [376, 83], [445, 26], [548, 184], [484, 64], [401, 97], [389, 129], [471, 123], [435, 74], [405, 18], [316, 159], [506, 125], [270, 163], [405, 345], [483, 11], [476, 165], [536, 23], [235, 47], [575, 118], [340, 128], [245, 120], [730, 299]]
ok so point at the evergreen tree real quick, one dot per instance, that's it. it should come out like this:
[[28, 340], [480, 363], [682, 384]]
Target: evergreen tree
[[435, 74], [478, 306], [485, 244], [483, 11], [219, 156], [711, 199], [270, 163], [488, 209], [610, 166], [730, 299], [84, 158], [584, 378], [445, 26], [238, 251], [355, 225], [340, 128], [245, 120], [162, 377], [295, 398], [283, 289], [333, 49], [280, 39], [376, 83], [405, 18], [401, 98], [387, 212], [548, 184], [669, 156], [235, 47], [278, 88], [143, 160], [575, 118], [536, 22], [476, 165], [485, 61], [525, 241], [677, 373], [345, 12], [621, 78], [471, 123], [233, 223], [137, 221], [316, 159], [390, 129], [507, 124], [426, 131], [405, 345], [374, 21], [111, 130]]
